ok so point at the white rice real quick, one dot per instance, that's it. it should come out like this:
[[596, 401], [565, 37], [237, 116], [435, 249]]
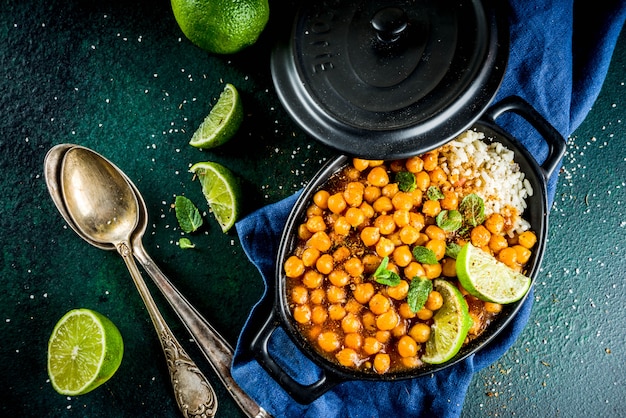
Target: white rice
[[490, 171]]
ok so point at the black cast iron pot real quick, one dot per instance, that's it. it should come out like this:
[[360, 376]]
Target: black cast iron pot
[[536, 213]]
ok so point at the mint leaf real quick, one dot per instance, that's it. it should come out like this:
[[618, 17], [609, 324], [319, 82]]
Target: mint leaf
[[406, 181], [434, 193], [449, 220], [188, 215], [185, 243], [419, 289], [424, 255], [384, 276], [452, 250], [472, 208]]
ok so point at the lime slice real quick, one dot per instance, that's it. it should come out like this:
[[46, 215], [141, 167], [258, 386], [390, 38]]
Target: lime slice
[[222, 122], [489, 279], [84, 351], [222, 191], [450, 325]]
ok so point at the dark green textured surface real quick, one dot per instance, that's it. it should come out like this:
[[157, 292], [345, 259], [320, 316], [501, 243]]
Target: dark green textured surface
[[120, 78]]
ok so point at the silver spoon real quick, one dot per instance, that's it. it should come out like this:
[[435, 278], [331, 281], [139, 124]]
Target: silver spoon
[[214, 347]]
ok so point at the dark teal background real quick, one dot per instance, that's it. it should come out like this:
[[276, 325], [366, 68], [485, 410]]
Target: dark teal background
[[121, 79]]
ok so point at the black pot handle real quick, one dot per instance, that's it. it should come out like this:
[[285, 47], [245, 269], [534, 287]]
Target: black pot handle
[[303, 394], [556, 143]]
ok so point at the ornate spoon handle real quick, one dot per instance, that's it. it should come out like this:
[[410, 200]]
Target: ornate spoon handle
[[214, 347], [192, 390]]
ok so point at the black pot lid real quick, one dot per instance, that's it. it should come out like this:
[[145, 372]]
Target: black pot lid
[[388, 79]]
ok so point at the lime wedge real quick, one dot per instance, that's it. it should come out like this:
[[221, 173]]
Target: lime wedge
[[450, 325], [222, 122], [489, 279], [84, 351], [221, 190]]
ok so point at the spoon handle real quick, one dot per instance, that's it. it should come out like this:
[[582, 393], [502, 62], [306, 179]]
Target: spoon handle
[[214, 347], [192, 390]]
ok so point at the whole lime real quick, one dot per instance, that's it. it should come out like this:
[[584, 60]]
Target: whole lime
[[221, 26]]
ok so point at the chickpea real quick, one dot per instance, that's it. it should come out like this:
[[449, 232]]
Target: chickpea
[[438, 176], [497, 243], [312, 279], [320, 241], [325, 264], [355, 216], [299, 295], [422, 239], [371, 193], [492, 307], [341, 254], [313, 210], [336, 294], [409, 234], [411, 362], [354, 266], [384, 247], [379, 304], [400, 329], [317, 296], [369, 321], [353, 194], [382, 205], [347, 357], [414, 269], [420, 332], [328, 341], [523, 254], [432, 270], [351, 323], [388, 320], [368, 210], [370, 235], [390, 190], [371, 263], [422, 181], [418, 197], [383, 336], [319, 314], [382, 362], [431, 160], [302, 314], [450, 200], [416, 220], [401, 218], [342, 226], [402, 256], [336, 203], [405, 311], [400, 291], [434, 232], [438, 247], [527, 239], [339, 277], [424, 314], [321, 199], [414, 164], [310, 256], [480, 236], [294, 267], [431, 208], [378, 177], [336, 312], [352, 306], [448, 267], [407, 346], [363, 292], [314, 332], [402, 201], [353, 340], [434, 301], [495, 223], [508, 256], [360, 164], [303, 232], [371, 345]]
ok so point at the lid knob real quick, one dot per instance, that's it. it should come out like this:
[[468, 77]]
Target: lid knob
[[389, 23]]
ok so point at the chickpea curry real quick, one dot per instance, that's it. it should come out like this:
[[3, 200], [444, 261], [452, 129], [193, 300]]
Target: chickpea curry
[[373, 238]]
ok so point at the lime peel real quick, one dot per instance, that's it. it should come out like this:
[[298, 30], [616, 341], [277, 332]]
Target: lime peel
[[222, 122]]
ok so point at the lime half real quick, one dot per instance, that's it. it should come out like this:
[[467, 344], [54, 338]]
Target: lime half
[[489, 279], [222, 122], [221, 190], [450, 325], [84, 351]]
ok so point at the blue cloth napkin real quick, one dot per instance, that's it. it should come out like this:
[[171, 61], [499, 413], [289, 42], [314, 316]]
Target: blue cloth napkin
[[558, 61]]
